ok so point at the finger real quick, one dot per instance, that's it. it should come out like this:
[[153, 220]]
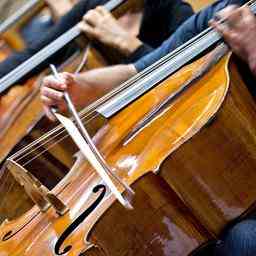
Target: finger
[[230, 16], [229, 36], [68, 78], [234, 19], [54, 83], [88, 30], [52, 94], [247, 12], [224, 13], [221, 27], [247, 15], [103, 11], [92, 18], [47, 101], [49, 105]]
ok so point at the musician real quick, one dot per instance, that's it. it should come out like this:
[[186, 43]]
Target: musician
[[167, 13], [239, 32], [98, 82]]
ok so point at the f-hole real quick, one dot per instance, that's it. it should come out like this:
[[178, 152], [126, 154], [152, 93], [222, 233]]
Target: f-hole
[[78, 221]]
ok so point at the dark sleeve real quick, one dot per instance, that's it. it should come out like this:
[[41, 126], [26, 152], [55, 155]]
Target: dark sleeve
[[189, 29], [153, 56], [143, 50], [65, 23]]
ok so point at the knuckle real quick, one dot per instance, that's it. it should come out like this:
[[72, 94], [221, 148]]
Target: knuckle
[[88, 15]]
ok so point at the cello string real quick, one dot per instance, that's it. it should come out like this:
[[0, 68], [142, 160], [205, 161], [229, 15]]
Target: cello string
[[96, 105], [142, 74], [43, 151], [79, 68], [47, 52]]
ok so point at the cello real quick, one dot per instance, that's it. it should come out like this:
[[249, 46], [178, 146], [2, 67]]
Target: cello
[[17, 120], [9, 28], [184, 140]]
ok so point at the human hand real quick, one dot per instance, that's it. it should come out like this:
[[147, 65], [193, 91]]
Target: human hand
[[101, 25], [239, 32], [52, 92]]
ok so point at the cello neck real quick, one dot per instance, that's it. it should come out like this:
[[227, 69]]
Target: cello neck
[[165, 67], [15, 75]]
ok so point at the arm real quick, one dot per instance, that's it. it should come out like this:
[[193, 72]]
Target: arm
[[83, 88], [108, 31], [99, 24]]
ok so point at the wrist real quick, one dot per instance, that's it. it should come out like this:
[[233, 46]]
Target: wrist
[[129, 46]]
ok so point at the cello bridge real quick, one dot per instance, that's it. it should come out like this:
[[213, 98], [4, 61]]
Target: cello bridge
[[39, 194]]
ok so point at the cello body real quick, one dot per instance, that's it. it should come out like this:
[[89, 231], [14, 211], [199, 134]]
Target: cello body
[[10, 28], [22, 120], [189, 167]]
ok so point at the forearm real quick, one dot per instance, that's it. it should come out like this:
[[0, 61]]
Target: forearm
[[96, 83]]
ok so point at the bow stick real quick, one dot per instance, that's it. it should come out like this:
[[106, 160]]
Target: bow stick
[[82, 139]]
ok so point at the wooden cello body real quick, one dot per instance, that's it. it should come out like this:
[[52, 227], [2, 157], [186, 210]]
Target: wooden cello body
[[22, 121], [191, 164]]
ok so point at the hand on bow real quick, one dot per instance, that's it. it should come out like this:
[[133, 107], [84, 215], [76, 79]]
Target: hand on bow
[[52, 92], [83, 88]]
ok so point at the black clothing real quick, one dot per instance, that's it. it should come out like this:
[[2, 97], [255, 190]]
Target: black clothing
[[160, 19]]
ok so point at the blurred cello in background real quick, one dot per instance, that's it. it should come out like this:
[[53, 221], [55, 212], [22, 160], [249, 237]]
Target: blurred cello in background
[[11, 28], [10, 37]]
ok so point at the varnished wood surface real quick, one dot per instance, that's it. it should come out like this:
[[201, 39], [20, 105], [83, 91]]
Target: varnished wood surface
[[200, 4], [208, 138], [21, 110], [25, 126], [160, 224], [214, 172], [184, 229]]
